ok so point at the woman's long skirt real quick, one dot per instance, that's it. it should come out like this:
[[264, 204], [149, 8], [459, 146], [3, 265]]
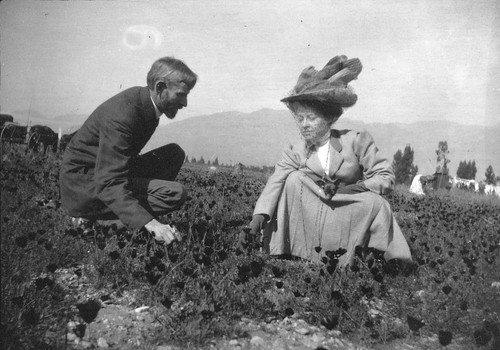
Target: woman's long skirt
[[306, 225]]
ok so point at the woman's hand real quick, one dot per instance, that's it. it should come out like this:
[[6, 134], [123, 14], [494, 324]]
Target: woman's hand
[[248, 233]]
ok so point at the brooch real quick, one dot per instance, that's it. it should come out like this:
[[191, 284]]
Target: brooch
[[329, 187]]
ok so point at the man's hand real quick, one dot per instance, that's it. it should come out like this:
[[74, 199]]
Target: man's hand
[[248, 233], [162, 232]]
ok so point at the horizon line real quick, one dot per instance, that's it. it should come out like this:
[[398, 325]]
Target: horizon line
[[55, 118]]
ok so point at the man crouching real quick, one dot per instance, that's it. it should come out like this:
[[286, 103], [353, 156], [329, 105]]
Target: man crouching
[[103, 177]]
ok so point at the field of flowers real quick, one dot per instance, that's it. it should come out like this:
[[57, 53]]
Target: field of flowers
[[202, 286]]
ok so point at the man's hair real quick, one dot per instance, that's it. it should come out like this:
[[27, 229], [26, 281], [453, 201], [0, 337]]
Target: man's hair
[[331, 112], [171, 69]]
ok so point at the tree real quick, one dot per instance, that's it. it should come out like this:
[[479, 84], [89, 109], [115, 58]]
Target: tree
[[491, 179], [472, 170], [462, 170], [404, 169], [201, 161], [216, 161], [193, 160], [442, 157], [186, 160], [467, 170]]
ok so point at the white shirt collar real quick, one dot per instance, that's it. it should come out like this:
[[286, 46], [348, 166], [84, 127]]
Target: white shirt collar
[[157, 111]]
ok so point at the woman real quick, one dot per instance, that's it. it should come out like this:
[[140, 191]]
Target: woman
[[325, 193]]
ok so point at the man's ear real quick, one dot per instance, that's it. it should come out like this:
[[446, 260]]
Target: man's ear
[[160, 86]]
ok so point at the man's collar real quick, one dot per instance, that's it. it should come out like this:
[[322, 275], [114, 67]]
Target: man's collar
[[157, 111]]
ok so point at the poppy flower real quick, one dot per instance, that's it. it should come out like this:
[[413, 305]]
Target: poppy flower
[[289, 311], [31, 316], [256, 268], [51, 267], [21, 241], [206, 286], [173, 257], [159, 253], [40, 283], [277, 272], [152, 278], [482, 336], [167, 302], [330, 322], [198, 258], [188, 271], [445, 337], [89, 310], [133, 254], [222, 255], [367, 290], [414, 323], [332, 266], [446, 289], [207, 314], [80, 330], [339, 252], [336, 294], [17, 301]]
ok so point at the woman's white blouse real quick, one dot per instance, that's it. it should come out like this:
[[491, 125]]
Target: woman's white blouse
[[324, 156]]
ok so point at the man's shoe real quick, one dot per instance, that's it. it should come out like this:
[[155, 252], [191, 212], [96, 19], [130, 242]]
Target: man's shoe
[[117, 224]]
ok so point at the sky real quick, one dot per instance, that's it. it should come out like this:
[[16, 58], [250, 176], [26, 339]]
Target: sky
[[422, 60]]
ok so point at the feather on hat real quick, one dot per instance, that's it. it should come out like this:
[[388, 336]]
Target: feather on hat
[[329, 85]]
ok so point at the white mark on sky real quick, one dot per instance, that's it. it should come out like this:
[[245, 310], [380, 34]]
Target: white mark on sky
[[139, 36]]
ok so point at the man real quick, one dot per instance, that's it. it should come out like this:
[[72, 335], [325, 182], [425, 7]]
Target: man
[[103, 177]]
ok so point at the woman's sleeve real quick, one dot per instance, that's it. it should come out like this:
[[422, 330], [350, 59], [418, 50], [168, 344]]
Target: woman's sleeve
[[268, 200], [378, 175]]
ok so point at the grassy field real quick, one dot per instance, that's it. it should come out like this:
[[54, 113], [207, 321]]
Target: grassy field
[[202, 285]]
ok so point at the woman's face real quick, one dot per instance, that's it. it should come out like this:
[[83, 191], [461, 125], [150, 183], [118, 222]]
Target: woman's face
[[313, 125]]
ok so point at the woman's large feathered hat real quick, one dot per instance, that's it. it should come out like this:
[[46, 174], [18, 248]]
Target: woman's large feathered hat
[[328, 86]]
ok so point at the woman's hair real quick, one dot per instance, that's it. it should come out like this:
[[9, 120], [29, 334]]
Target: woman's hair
[[331, 112], [171, 69]]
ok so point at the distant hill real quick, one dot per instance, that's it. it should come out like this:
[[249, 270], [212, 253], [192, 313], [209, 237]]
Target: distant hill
[[258, 138]]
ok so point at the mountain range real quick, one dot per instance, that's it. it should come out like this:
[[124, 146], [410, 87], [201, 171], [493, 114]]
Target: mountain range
[[258, 138]]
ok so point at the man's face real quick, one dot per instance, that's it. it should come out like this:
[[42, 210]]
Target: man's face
[[172, 98]]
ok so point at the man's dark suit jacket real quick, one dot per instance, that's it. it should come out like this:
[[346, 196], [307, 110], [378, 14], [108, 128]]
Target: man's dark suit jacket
[[96, 163]]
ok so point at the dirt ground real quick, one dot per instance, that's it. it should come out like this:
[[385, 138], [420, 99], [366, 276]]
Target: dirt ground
[[121, 324]]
